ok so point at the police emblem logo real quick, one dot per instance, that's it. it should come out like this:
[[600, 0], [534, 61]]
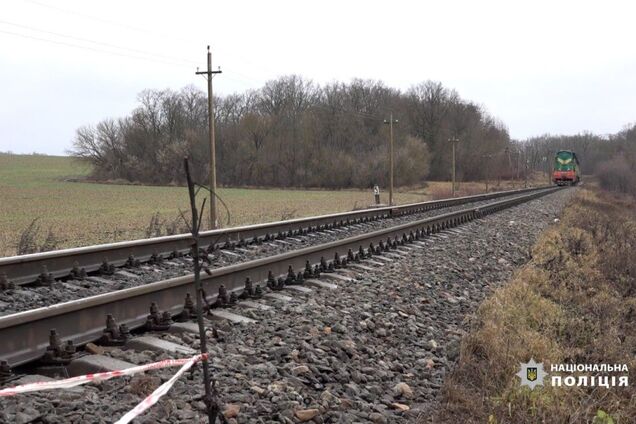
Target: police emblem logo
[[532, 374]]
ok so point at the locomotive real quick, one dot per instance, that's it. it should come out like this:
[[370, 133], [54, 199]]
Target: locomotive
[[566, 168]]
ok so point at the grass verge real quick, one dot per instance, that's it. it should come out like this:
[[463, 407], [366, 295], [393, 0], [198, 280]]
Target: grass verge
[[574, 302]]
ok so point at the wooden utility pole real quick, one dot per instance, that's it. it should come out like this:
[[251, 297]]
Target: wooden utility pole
[[209, 73], [488, 166], [453, 142], [527, 164], [519, 165], [391, 121], [512, 171]]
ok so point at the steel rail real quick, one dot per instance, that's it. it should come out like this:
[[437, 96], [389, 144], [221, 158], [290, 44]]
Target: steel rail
[[25, 335], [25, 269]]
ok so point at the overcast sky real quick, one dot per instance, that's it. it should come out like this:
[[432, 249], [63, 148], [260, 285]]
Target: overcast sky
[[539, 66]]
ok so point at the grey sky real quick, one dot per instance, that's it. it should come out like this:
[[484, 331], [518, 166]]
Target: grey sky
[[540, 66]]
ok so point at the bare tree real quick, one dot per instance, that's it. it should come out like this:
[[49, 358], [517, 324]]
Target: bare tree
[[292, 132]]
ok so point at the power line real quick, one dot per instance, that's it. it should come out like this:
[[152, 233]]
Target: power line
[[78, 46], [106, 21], [98, 50], [97, 42], [170, 37]]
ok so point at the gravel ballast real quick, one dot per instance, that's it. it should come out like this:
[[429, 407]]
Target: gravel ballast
[[374, 350]]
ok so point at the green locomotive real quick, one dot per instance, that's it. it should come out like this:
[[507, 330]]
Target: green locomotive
[[567, 170]]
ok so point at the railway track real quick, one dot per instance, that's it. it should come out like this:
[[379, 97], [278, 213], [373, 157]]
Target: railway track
[[47, 291], [27, 335], [46, 266]]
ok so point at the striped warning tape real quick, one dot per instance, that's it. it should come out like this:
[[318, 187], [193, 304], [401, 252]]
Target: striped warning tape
[[83, 379], [154, 396]]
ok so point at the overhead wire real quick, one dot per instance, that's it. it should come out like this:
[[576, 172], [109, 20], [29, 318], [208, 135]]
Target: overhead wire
[[101, 43], [79, 46], [171, 37], [107, 21], [179, 64]]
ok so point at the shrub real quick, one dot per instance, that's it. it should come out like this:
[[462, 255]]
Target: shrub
[[617, 175]]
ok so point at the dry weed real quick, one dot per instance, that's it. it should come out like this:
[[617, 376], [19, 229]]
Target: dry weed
[[573, 303]]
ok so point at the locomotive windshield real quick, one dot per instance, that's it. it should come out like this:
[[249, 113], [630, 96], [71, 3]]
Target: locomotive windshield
[[564, 161]]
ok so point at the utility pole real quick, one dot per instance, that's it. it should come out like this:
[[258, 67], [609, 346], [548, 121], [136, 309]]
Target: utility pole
[[209, 73], [525, 164], [518, 165], [453, 141], [512, 172], [488, 166], [391, 121]]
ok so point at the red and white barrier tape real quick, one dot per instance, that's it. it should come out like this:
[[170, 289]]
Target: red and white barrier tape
[[154, 396], [83, 379]]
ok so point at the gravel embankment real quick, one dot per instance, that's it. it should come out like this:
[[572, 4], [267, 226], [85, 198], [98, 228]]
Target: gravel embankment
[[374, 350], [29, 297]]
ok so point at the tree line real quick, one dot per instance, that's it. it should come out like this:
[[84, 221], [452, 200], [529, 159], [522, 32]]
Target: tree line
[[612, 158], [294, 133], [591, 149]]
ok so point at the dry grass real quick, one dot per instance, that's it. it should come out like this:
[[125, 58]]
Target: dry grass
[[443, 189], [574, 303]]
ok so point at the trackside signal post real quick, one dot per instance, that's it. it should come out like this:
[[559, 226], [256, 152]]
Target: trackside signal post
[[209, 73]]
